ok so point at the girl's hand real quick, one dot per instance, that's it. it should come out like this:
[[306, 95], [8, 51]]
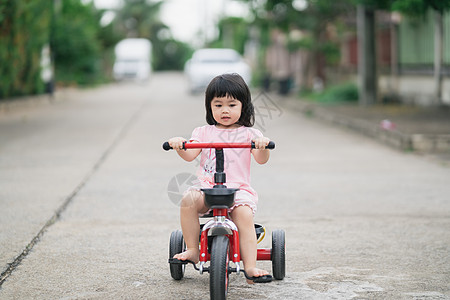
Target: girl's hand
[[261, 154], [177, 143], [261, 142]]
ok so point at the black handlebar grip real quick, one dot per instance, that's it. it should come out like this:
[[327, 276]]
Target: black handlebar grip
[[166, 146], [271, 145]]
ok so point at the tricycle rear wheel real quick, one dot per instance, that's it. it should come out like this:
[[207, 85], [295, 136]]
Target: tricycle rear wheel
[[176, 245]]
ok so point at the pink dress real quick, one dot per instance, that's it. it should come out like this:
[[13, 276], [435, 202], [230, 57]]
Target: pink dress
[[236, 164]]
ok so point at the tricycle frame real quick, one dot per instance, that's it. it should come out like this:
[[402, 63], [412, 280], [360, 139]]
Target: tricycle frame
[[219, 199]]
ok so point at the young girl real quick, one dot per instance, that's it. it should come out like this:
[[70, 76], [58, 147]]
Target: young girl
[[230, 114]]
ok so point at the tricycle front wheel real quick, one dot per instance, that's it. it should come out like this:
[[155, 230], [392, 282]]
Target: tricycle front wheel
[[218, 281], [278, 254]]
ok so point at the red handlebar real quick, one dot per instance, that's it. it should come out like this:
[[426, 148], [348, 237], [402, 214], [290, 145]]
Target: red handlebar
[[167, 147], [216, 145]]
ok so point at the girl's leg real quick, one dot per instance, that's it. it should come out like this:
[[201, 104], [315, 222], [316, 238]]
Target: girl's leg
[[191, 205], [243, 218]]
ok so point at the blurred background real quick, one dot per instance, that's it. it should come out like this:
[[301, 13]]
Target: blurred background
[[371, 51]]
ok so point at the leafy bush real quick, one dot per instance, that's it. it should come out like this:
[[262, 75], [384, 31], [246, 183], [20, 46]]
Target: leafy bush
[[346, 92]]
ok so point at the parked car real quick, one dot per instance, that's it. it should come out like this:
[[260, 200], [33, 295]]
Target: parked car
[[205, 64], [133, 59]]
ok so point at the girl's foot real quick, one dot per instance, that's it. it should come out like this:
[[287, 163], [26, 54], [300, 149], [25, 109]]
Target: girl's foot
[[255, 272], [189, 254]]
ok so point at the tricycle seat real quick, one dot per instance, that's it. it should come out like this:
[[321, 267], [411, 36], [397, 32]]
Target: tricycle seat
[[219, 197]]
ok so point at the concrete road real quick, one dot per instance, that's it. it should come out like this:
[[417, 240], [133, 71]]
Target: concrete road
[[85, 213]]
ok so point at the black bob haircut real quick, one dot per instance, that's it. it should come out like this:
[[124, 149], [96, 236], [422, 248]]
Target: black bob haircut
[[233, 86]]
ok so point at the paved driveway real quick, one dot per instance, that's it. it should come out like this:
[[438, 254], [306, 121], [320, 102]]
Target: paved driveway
[[83, 184]]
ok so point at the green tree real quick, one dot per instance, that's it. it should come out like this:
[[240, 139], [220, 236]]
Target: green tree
[[318, 19], [419, 7], [24, 30], [108, 35], [314, 20], [140, 18], [233, 33], [76, 45], [171, 54]]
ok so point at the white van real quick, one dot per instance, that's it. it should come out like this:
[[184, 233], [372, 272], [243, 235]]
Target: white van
[[133, 59]]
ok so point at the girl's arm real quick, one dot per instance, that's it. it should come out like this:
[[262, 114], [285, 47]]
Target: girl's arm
[[261, 154], [189, 154]]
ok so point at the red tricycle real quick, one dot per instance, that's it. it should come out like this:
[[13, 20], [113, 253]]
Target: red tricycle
[[219, 237]]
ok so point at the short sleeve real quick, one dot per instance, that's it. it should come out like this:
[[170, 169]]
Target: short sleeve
[[197, 135], [254, 133]]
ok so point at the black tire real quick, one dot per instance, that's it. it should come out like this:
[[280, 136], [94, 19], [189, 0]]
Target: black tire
[[218, 281], [176, 245], [278, 254]]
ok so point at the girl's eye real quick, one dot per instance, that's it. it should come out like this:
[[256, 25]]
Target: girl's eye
[[232, 105], [218, 105]]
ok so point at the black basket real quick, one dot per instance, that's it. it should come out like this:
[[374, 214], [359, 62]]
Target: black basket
[[219, 197], [259, 229]]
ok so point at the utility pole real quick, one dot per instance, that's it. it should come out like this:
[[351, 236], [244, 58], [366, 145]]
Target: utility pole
[[438, 55], [367, 71]]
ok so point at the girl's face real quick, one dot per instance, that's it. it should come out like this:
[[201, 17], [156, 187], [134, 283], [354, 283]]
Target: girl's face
[[226, 111]]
